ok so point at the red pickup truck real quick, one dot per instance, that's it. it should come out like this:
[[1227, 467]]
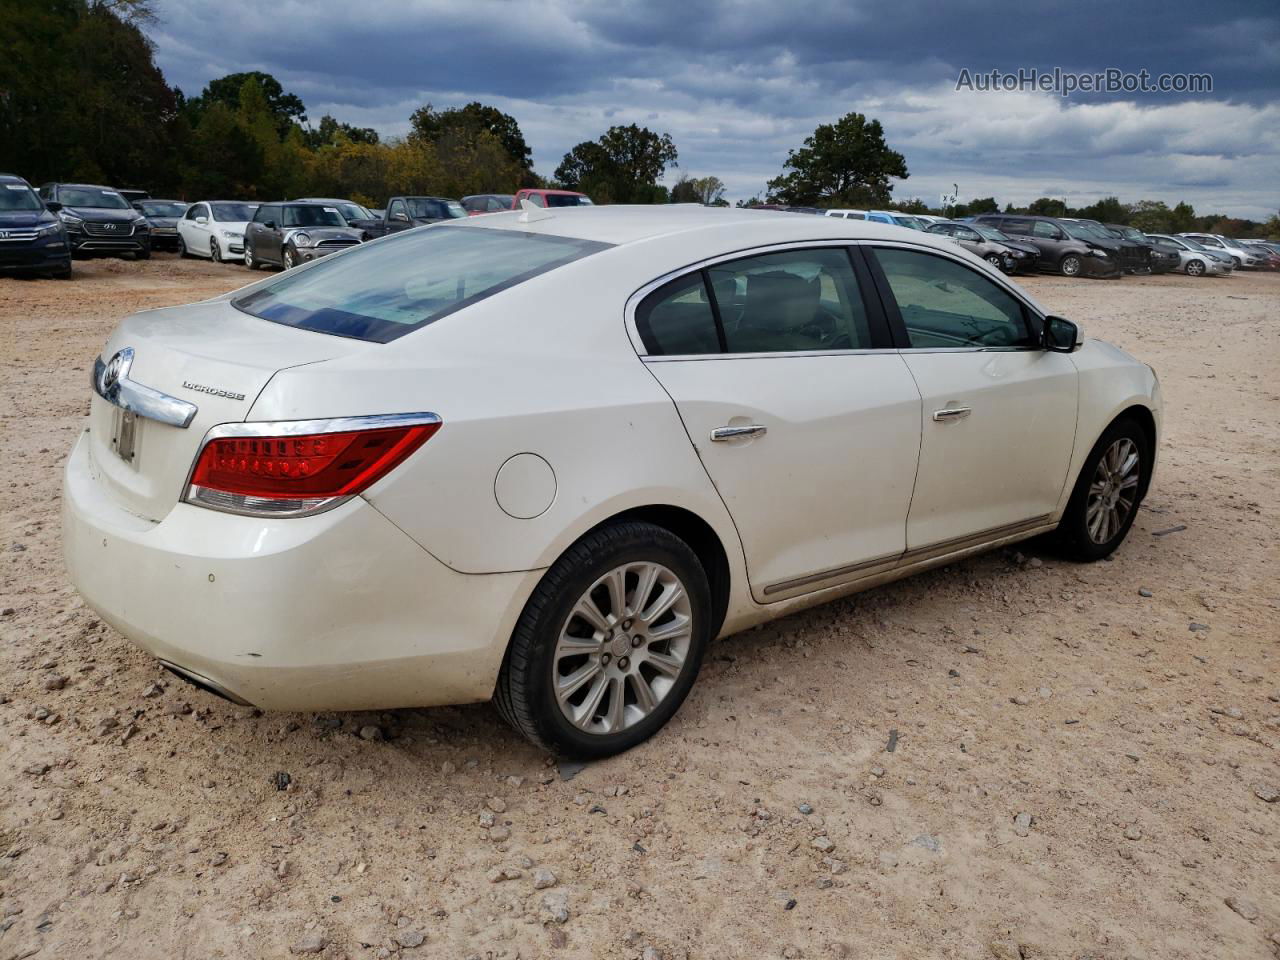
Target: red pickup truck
[[552, 198]]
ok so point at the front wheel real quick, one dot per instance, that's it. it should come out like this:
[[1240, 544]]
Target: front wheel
[[143, 254], [609, 643], [249, 260], [997, 262], [290, 258], [1070, 265], [183, 252], [215, 253], [1108, 492], [1195, 268]]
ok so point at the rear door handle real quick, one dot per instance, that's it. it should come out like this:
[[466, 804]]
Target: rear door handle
[[737, 433], [951, 413]]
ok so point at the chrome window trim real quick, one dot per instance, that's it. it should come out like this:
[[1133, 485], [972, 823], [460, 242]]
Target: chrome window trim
[[137, 398], [263, 508], [634, 300]]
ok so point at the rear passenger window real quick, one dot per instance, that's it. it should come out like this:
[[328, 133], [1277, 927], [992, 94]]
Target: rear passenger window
[[945, 304], [797, 300], [677, 319]]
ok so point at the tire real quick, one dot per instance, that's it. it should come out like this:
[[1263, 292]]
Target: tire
[[997, 262], [1077, 537], [215, 253], [144, 254], [536, 660], [1195, 268], [289, 259], [1070, 265], [249, 261], [62, 273], [183, 252]]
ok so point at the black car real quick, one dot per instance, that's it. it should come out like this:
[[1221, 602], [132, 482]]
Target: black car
[[162, 217], [1164, 256], [1066, 248], [98, 220], [31, 238], [289, 234], [1134, 257]]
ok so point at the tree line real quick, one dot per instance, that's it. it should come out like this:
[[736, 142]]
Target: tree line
[[82, 99]]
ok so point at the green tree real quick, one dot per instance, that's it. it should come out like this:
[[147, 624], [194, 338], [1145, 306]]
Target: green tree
[[1107, 210], [683, 191], [623, 166], [467, 122], [224, 161], [1151, 216], [1047, 207], [1183, 218], [329, 129], [286, 108], [846, 163]]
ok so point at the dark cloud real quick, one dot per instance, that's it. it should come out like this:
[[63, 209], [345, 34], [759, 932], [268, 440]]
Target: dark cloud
[[739, 83]]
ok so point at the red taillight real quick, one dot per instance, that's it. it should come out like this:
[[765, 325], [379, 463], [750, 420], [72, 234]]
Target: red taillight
[[299, 473]]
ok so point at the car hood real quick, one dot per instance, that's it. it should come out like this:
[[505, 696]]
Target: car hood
[[1018, 245], [25, 218], [104, 214]]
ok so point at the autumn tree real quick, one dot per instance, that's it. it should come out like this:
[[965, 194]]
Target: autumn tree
[[466, 124], [623, 166], [846, 163]]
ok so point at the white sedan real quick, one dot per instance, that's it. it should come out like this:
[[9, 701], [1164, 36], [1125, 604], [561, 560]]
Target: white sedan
[[215, 229], [546, 457]]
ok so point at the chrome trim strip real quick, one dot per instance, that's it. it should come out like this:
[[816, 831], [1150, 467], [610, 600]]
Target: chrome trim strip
[[135, 397], [260, 507], [923, 554]]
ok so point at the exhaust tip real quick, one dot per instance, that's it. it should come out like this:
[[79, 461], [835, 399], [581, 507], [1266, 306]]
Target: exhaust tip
[[204, 683]]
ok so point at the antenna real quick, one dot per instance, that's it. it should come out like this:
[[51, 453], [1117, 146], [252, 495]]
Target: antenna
[[533, 212]]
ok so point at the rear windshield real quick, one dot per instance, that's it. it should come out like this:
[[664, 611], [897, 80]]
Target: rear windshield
[[392, 287]]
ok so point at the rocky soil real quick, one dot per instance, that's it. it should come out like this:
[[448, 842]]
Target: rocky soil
[[1016, 757]]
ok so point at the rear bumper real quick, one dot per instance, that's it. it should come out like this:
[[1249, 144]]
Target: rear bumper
[[340, 611]]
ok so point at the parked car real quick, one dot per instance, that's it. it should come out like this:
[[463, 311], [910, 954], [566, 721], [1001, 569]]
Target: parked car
[[896, 218], [98, 220], [405, 213], [289, 234], [997, 252], [1269, 251], [355, 214], [1064, 248], [1239, 254], [215, 229], [1196, 260], [487, 203], [1164, 256], [810, 210], [1134, 257], [31, 238], [134, 196], [362, 485], [847, 214], [552, 198], [162, 217], [931, 218]]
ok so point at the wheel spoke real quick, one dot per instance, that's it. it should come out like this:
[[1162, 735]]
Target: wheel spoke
[[665, 664], [566, 687], [644, 587], [616, 582], [584, 713], [671, 593], [677, 626], [617, 701], [646, 699], [588, 611]]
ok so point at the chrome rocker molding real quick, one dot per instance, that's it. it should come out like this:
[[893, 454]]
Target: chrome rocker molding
[[111, 382], [255, 506], [871, 573]]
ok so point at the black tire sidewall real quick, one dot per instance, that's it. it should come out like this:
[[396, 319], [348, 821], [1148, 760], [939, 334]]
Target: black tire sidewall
[[1073, 530], [579, 572]]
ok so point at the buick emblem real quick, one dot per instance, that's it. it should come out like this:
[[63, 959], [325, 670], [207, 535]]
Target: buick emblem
[[116, 369]]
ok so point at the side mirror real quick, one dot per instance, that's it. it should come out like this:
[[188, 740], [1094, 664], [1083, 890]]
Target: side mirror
[[202, 219], [1061, 335], [53, 206], [269, 224], [400, 216]]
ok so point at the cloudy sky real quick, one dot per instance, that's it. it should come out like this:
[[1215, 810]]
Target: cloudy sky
[[737, 83]]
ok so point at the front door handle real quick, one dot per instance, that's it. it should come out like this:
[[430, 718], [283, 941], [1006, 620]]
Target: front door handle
[[737, 433], [947, 414]]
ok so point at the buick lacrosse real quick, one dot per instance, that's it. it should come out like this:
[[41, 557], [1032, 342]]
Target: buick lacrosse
[[544, 457]]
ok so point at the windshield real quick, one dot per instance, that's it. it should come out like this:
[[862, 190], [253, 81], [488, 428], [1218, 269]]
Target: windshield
[[1130, 233], [313, 216], [162, 208], [385, 290], [568, 200], [1193, 244], [18, 196], [987, 233], [353, 211], [911, 222], [1077, 230], [92, 197], [233, 212]]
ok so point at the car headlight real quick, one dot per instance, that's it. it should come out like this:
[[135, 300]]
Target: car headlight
[[1095, 252], [69, 218], [141, 222], [301, 239], [49, 229]]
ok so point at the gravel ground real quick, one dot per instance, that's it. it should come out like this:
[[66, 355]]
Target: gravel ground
[[1084, 758]]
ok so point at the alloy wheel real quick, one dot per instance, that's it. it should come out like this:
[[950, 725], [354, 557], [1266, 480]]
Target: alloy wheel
[[288, 260], [214, 253], [1114, 490], [1070, 266], [1195, 268], [622, 648]]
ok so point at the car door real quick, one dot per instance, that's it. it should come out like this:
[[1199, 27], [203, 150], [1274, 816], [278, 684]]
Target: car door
[[201, 230], [999, 412], [398, 217], [268, 231], [186, 228], [806, 420], [969, 239]]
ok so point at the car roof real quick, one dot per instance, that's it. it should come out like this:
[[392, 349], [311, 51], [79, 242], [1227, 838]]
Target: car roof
[[733, 227]]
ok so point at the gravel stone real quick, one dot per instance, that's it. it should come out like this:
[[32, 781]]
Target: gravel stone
[[1132, 832], [543, 879], [311, 943], [1266, 791], [1246, 908], [1022, 824], [410, 938]]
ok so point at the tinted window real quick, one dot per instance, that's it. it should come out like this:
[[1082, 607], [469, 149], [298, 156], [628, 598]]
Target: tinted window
[[18, 196], [397, 209], [496, 204], [162, 208], [567, 200], [92, 197], [233, 212], [1045, 230], [317, 216], [385, 290], [797, 300], [677, 318], [1014, 226], [946, 304], [264, 214]]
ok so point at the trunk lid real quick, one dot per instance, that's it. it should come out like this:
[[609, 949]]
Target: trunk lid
[[209, 354]]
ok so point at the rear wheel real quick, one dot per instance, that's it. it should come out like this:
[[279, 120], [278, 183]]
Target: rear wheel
[[609, 643], [1108, 492], [1195, 268], [1070, 265]]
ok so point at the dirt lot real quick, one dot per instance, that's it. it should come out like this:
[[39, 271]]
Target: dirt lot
[[141, 818]]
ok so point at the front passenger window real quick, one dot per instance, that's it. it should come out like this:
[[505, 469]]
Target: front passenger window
[[945, 304]]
